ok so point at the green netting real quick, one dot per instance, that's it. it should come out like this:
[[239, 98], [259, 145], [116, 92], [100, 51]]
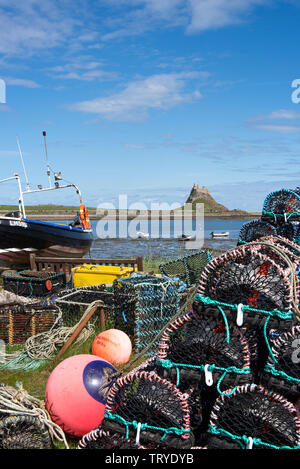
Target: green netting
[[143, 305], [187, 268]]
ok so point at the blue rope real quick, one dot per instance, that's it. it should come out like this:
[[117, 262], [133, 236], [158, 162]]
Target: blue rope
[[168, 364], [271, 369], [275, 312], [245, 440], [144, 426]]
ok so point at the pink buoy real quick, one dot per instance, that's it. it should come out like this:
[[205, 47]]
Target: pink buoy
[[113, 345], [76, 393]]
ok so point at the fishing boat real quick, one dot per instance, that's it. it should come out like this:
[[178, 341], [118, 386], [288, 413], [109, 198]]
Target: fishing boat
[[20, 235], [224, 234]]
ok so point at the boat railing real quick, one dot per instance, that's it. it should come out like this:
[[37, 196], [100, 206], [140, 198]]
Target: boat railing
[[40, 189]]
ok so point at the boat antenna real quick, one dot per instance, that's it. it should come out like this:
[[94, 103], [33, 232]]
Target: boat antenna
[[24, 169], [47, 161]]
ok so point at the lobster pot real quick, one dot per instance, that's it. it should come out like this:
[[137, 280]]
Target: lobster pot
[[287, 230], [99, 439], [253, 417], [254, 230], [24, 432], [149, 410], [143, 305], [282, 370], [297, 232], [204, 349], [249, 285], [282, 205], [74, 302], [187, 268], [34, 284], [18, 323]]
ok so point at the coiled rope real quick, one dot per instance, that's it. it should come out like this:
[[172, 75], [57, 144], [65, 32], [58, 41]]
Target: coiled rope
[[19, 402]]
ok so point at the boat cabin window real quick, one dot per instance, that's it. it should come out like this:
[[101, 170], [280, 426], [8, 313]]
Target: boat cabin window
[[13, 214]]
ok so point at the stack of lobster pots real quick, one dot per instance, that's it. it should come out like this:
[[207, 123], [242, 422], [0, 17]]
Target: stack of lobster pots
[[226, 373], [280, 217]]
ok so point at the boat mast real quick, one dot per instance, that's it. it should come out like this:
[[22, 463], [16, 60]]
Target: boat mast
[[24, 169], [47, 161]]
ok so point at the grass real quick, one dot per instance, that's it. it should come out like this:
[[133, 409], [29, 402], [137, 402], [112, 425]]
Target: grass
[[43, 208], [34, 382]]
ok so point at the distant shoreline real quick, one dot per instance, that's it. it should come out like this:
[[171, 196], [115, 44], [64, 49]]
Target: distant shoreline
[[151, 216]]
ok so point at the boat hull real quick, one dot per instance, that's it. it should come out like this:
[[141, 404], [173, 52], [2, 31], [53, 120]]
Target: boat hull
[[21, 237]]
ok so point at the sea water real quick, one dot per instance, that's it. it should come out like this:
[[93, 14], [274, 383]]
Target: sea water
[[164, 244]]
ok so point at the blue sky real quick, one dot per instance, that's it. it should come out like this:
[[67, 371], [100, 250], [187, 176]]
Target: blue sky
[[147, 97]]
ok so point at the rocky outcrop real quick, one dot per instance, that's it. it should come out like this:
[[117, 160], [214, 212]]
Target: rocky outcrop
[[202, 195]]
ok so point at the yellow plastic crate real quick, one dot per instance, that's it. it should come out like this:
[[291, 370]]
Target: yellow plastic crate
[[90, 274]]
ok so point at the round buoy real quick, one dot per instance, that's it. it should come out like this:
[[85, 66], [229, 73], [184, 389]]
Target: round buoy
[[113, 345], [48, 285], [76, 393]]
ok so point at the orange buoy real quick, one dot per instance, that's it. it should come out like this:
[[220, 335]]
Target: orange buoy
[[113, 345]]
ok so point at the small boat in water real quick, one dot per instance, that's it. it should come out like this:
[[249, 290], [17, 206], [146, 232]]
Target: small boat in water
[[20, 235], [184, 237], [142, 235], [224, 234]]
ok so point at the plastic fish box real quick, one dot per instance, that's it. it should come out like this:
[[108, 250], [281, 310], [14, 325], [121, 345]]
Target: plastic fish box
[[91, 274]]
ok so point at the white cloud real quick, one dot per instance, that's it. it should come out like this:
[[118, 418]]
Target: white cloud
[[213, 14], [288, 114], [262, 121], [21, 82], [162, 91], [135, 146], [82, 69], [194, 15], [280, 128], [30, 26]]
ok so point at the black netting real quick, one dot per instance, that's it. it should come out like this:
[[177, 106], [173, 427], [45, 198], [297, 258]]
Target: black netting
[[255, 229], [286, 230], [156, 404], [283, 203], [248, 277], [253, 412], [193, 341], [34, 284], [23, 432], [283, 374], [98, 439]]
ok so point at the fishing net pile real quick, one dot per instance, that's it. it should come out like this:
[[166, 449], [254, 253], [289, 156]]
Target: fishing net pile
[[280, 217]]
